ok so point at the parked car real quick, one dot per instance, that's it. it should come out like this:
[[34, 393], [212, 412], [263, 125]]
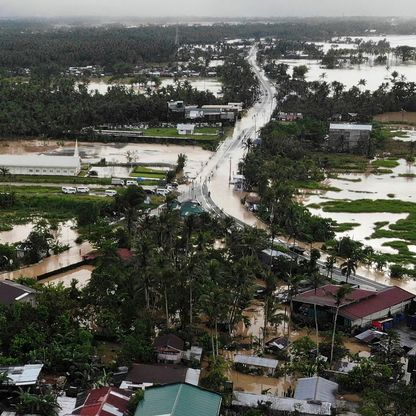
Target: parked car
[[69, 190], [117, 181], [83, 189], [162, 191], [110, 192], [131, 183]]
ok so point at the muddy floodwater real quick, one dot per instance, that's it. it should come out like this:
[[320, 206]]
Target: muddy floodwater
[[93, 152], [66, 233], [367, 186], [201, 84], [81, 274]]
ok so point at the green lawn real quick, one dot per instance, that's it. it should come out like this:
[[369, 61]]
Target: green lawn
[[142, 171], [207, 133]]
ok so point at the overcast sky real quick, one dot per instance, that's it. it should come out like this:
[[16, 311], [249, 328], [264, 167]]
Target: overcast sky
[[217, 8]]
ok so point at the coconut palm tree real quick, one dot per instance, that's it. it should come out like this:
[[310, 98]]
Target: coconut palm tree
[[330, 263], [349, 266], [340, 296]]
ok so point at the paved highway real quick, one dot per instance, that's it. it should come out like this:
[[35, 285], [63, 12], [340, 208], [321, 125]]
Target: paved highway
[[212, 186]]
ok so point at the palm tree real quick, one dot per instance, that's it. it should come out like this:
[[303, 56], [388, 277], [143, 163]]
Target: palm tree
[[330, 262], [349, 266], [4, 171], [362, 82], [316, 280], [340, 296]]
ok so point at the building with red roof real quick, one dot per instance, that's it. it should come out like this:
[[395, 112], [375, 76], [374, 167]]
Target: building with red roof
[[358, 309], [107, 401]]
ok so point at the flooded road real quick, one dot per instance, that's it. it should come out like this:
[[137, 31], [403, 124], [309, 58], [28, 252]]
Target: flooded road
[[81, 274]]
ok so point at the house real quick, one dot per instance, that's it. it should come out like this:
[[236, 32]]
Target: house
[[42, 164], [317, 389], [184, 129], [169, 349], [286, 405], [253, 362], [282, 116], [12, 292], [146, 375], [107, 401], [179, 399], [22, 376], [194, 354], [176, 106], [359, 309], [349, 138]]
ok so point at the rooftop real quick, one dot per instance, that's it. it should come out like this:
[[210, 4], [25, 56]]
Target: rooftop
[[283, 404], [107, 401], [156, 374], [26, 375], [317, 389], [179, 400], [169, 341], [40, 161], [256, 361], [325, 296], [384, 299], [11, 292], [349, 126]]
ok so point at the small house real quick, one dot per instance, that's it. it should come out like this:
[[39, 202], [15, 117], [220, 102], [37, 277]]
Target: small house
[[185, 129], [252, 362], [146, 375], [169, 349], [349, 138], [103, 402], [12, 292]]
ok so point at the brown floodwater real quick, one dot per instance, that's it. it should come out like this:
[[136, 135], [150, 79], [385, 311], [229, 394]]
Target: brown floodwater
[[50, 264], [81, 274]]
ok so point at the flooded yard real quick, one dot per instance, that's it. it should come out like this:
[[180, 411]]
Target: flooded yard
[[93, 152]]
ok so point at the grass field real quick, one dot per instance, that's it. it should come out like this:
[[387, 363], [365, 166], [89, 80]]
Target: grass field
[[207, 133], [142, 171]]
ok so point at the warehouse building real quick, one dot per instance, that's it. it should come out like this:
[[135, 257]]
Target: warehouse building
[[52, 165]]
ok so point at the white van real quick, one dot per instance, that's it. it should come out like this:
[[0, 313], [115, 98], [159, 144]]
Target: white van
[[162, 191], [110, 192], [131, 183], [69, 190], [83, 189]]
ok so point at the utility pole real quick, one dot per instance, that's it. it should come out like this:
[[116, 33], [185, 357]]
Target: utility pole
[[229, 175], [177, 36]]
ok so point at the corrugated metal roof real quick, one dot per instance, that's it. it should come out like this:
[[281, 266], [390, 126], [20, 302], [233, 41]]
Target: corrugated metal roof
[[283, 404], [26, 375], [39, 161], [179, 400], [316, 388], [192, 376], [256, 361], [347, 126]]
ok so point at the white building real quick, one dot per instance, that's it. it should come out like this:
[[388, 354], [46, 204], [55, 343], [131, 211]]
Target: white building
[[185, 129], [42, 164]]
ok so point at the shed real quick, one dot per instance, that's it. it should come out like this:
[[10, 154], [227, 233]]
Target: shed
[[316, 389], [252, 361], [25, 375], [11, 292]]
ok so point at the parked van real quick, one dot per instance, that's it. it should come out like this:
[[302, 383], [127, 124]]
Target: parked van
[[131, 183], [83, 189], [162, 191], [110, 192], [117, 181], [69, 190]]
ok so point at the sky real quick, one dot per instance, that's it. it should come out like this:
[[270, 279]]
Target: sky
[[206, 8]]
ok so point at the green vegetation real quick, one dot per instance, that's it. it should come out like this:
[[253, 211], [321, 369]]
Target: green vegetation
[[385, 163], [345, 226], [141, 171], [205, 133]]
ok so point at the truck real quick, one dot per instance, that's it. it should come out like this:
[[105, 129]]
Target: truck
[[117, 181]]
